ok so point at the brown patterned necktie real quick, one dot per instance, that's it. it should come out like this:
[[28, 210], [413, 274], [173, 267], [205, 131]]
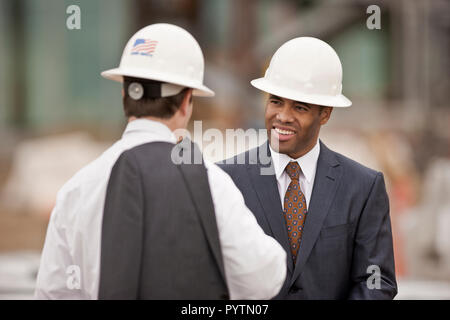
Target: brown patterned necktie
[[294, 208]]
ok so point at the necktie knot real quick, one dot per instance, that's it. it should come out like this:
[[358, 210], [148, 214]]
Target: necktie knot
[[293, 170]]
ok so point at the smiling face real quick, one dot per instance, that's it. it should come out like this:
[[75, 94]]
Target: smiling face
[[294, 126]]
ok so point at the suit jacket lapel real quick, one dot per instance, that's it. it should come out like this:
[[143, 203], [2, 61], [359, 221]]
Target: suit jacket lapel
[[267, 190], [325, 185]]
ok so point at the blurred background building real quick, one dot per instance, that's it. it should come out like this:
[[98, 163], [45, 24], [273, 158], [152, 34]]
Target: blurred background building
[[57, 113]]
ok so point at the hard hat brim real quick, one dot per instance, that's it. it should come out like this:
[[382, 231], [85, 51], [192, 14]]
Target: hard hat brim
[[339, 101], [117, 74]]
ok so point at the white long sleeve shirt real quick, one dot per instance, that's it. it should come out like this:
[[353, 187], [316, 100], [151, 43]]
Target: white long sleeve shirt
[[255, 264]]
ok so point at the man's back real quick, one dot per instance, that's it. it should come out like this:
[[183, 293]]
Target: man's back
[[159, 238], [254, 263], [73, 237]]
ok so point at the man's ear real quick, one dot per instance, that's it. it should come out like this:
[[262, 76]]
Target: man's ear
[[186, 103], [325, 114]]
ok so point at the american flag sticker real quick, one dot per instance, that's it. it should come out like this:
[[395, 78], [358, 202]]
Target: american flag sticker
[[144, 47]]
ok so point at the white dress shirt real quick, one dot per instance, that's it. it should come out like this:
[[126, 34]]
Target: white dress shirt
[[308, 165], [255, 264]]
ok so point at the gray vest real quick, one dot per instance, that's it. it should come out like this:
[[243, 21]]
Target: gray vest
[[159, 232]]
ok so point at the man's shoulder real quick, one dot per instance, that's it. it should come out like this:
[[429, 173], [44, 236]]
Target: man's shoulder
[[88, 181], [353, 169], [230, 166], [239, 161], [90, 174]]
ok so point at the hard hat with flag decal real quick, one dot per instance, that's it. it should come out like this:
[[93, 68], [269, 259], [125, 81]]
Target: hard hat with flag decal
[[165, 53], [305, 69]]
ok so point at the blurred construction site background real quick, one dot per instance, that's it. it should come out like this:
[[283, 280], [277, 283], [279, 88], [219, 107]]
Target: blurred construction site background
[[57, 113]]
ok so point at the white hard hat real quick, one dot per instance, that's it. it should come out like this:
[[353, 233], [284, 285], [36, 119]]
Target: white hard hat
[[165, 53], [305, 69]]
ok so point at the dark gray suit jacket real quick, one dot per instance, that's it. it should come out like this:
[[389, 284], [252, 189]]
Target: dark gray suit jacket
[[159, 232], [347, 228]]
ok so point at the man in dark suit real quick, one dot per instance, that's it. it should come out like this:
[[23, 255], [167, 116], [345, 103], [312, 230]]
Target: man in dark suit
[[330, 213]]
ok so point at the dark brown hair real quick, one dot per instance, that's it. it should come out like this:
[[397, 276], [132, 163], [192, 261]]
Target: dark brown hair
[[155, 107]]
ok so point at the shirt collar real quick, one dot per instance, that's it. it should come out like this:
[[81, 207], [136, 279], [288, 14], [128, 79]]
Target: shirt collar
[[307, 162], [150, 126]]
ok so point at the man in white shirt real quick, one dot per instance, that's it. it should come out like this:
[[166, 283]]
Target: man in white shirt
[[161, 63]]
